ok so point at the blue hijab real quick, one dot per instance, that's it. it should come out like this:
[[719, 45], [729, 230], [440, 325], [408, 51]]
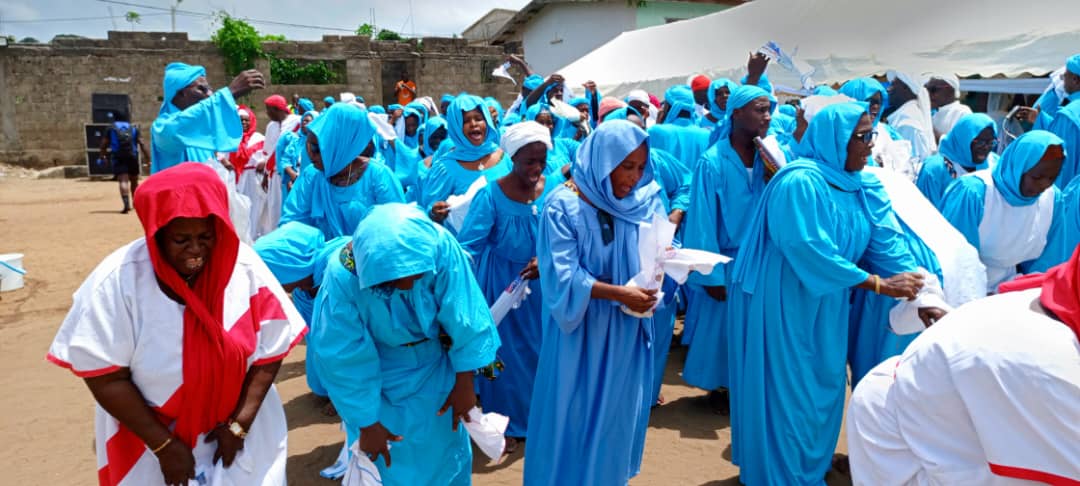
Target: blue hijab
[[533, 81], [393, 241], [825, 90], [598, 156], [343, 132], [713, 88], [446, 98], [305, 105], [740, 97], [177, 77], [394, 107], [494, 103], [861, 89], [433, 124], [763, 82], [1019, 157], [563, 127], [826, 140], [328, 100], [580, 100], [1072, 64], [680, 100], [290, 251], [377, 109], [788, 110], [464, 150], [956, 145]]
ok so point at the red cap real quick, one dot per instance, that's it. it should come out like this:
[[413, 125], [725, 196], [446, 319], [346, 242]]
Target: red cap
[[654, 100], [277, 101], [700, 83]]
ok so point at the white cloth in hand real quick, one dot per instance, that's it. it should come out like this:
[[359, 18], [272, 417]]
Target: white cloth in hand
[[904, 316], [486, 431]]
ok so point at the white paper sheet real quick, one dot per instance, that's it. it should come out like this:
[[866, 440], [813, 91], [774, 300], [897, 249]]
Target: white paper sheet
[[486, 431], [459, 204], [510, 299]]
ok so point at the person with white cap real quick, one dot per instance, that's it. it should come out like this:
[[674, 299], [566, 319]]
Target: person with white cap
[[912, 116], [639, 100], [499, 234], [1066, 123], [944, 90]]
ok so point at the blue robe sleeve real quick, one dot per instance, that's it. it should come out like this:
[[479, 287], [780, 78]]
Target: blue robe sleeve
[[962, 205], [463, 310], [1061, 239], [673, 175], [479, 224], [347, 358], [888, 253], [212, 124], [933, 179], [703, 220], [796, 220], [567, 287], [437, 185], [297, 205], [1064, 127]]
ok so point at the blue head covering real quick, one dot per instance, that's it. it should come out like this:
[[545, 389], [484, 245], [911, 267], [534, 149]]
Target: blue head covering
[[377, 109], [343, 132], [681, 104], [290, 250], [455, 120], [956, 145], [446, 98], [1072, 64], [862, 89], [620, 114], [494, 103], [394, 107], [433, 124], [740, 97], [763, 82], [580, 100], [328, 100], [322, 258], [1019, 157], [533, 81], [393, 241], [598, 156], [177, 77], [511, 119], [305, 105], [825, 90], [715, 86], [420, 109], [788, 110], [826, 142], [560, 122]]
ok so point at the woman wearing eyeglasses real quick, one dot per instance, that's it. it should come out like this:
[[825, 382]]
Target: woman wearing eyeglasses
[[342, 183], [968, 147], [1007, 212], [792, 286]]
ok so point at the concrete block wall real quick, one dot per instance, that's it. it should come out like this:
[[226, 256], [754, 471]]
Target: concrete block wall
[[45, 90]]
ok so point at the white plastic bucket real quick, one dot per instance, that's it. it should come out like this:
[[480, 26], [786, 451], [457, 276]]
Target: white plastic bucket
[[11, 271]]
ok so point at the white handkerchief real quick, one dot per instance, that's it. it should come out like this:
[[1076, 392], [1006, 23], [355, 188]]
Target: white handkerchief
[[510, 299], [459, 204], [361, 471], [382, 125], [904, 316], [503, 72], [486, 431]]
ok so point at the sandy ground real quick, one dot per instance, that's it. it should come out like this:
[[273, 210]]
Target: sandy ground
[[65, 227]]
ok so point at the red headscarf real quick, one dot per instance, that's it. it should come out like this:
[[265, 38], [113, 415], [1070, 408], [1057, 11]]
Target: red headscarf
[[240, 158], [214, 363], [1060, 290]]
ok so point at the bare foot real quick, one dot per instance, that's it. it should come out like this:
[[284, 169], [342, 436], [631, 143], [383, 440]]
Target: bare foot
[[660, 399], [511, 447], [720, 402], [329, 409], [841, 464]]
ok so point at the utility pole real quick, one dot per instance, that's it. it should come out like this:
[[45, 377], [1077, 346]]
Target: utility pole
[[172, 13]]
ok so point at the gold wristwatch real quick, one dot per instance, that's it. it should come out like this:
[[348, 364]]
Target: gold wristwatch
[[236, 429]]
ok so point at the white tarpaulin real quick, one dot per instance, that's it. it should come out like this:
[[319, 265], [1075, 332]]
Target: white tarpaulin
[[842, 39]]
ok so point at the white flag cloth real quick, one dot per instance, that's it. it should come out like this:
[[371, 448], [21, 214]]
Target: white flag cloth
[[657, 257], [904, 316], [503, 71], [510, 299], [486, 431], [361, 471], [459, 204], [382, 125]]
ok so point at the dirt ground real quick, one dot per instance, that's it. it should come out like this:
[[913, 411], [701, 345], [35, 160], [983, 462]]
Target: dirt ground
[[65, 227]]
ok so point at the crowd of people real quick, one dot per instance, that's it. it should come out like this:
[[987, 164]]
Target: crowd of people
[[871, 225]]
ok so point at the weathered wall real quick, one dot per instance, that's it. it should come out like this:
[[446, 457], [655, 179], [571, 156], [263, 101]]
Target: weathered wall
[[45, 89]]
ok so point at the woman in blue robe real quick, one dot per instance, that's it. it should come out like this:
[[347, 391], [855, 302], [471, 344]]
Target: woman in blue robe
[[968, 147], [719, 92], [790, 292], [591, 400], [345, 178], [558, 157], [496, 110], [383, 304], [297, 255], [194, 132], [726, 187], [678, 132], [1008, 212], [499, 234], [291, 154], [871, 91], [476, 154]]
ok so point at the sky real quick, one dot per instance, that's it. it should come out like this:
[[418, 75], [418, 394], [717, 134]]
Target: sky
[[43, 19]]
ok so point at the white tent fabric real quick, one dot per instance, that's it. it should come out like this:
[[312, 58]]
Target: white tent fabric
[[842, 39]]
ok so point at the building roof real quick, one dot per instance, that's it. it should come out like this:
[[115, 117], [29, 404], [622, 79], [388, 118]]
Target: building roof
[[484, 18], [512, 28]]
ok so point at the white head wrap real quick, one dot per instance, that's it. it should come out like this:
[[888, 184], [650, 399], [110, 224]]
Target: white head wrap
[[521, 134], [347, 97], [638, 95], [382, 126], [923, 98], [949, 79]]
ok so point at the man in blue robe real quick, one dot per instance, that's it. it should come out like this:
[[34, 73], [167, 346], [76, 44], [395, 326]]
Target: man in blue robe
[[1066, 124], [195, 122]]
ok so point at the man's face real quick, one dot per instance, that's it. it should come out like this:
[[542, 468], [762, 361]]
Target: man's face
[[1072, 82], [193, 93], [941, 93]]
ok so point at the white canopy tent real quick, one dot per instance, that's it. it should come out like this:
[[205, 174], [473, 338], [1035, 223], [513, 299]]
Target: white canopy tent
[[844, 39]]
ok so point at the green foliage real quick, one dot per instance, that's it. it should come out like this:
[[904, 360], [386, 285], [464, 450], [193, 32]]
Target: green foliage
[[388, 35], [238, 42], [365, 30], [292, 71], [273, 38], [27, 40], [368, 30]]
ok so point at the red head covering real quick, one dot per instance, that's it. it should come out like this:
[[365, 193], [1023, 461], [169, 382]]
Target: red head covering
[[214, 363], [277, 101], [1060, 290], [700, 83], [608, 105], [240, 158], [653, 100]]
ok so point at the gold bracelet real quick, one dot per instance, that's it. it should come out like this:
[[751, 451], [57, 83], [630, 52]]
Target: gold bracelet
[[877, 284], [162, 446]]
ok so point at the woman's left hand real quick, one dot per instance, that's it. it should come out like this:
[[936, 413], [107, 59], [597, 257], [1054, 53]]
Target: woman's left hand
[[531, 271], [462, 398], [229, 445], [930, 315]]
